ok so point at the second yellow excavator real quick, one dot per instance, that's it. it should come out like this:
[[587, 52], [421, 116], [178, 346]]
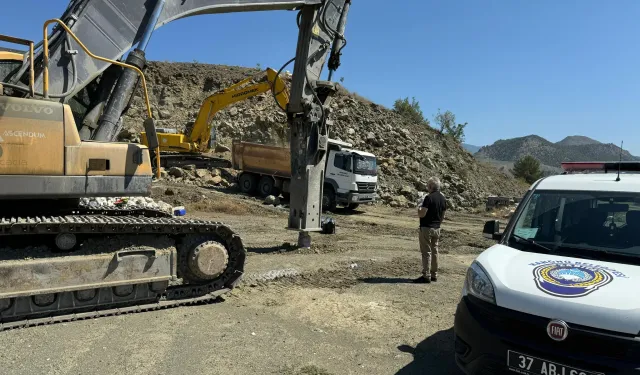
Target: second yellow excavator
[[178, 149]]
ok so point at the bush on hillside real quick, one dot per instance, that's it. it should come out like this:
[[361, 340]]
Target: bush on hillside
[[410, 109], [527, 168], [447, 123]]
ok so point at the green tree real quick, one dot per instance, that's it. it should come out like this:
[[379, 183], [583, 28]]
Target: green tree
[[527, 168], [447, 123], [410, 110]]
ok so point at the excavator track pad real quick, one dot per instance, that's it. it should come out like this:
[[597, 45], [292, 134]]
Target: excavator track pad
[[78, 266]]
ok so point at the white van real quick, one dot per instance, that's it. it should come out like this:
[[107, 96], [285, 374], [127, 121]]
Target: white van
[[559, 294]]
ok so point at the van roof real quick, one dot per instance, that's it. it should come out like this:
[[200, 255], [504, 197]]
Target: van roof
[[629, 182]]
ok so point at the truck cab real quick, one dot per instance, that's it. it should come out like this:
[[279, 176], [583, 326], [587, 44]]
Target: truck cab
[[558, 293], [350, 176]]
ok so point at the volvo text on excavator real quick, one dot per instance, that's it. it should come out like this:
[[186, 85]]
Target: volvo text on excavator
[[179, 149], [59, 113]]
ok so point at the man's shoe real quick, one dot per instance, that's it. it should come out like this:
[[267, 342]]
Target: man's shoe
[[434, 278], [422, 280]]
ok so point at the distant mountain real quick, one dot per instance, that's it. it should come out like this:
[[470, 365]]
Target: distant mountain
[[577, 140], [471, 148], [573, 148]]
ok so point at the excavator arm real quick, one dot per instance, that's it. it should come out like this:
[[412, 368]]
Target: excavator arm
[[179, 149], [201, 134]]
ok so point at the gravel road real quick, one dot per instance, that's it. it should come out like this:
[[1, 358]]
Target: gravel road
[[344, 306]]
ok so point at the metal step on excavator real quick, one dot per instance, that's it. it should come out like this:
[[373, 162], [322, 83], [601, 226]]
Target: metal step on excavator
[[59, 111]]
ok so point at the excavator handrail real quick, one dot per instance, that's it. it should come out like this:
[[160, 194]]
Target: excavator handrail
[[45, 86], [25, 42], [45, 82]]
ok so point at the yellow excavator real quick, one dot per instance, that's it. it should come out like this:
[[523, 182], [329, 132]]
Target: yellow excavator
[[64, 259], [179, 149]]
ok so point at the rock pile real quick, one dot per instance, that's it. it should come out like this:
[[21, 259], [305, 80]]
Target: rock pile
[[189, 175], [128, 203], [408, 153], [504, 212]]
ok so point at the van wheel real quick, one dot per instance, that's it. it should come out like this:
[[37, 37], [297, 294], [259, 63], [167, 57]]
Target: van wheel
[[247, 183], [353, 206], [266, 186], [329, 199]]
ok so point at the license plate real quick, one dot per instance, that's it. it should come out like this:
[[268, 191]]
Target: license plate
[[365, 196], [528, 365]]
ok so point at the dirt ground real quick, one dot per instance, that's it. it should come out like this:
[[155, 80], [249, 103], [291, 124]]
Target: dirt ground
[[344, 306]]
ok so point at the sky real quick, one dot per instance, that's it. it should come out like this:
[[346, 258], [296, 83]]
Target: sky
[[508, 68]]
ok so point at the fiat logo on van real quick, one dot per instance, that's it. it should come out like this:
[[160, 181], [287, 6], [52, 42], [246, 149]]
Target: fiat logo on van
[[557, 330]]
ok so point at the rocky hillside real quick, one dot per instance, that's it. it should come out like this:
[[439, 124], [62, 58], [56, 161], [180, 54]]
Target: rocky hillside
[[408, 153], [471, 148], [574, 148]]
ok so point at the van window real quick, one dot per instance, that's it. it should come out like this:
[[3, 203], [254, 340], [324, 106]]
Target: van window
[[571, 220]]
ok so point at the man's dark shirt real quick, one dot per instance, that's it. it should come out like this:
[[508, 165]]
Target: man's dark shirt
[[436, 205]]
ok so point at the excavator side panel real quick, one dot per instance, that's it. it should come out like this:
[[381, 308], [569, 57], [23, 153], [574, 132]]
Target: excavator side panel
[[31, 137], [109, 159], [41, 156]]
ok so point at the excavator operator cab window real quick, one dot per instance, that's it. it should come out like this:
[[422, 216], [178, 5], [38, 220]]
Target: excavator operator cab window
[[8, 68], [10, 63]]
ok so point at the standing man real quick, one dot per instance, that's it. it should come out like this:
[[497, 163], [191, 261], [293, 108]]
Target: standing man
[[431, 214]]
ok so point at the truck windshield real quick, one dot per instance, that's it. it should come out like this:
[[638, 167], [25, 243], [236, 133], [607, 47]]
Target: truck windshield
[[365, 165], [593, 224]]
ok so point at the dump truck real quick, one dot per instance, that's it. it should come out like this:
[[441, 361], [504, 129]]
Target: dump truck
[[350, 177]]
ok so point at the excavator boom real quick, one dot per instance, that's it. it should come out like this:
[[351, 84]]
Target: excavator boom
[[110, 28]]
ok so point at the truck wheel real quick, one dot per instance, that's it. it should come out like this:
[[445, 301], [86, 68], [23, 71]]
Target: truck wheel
[[247, 183], [266, 186], [328, 199], [353, 206]]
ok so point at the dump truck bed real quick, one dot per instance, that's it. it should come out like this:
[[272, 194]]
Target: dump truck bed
[[261, 159]]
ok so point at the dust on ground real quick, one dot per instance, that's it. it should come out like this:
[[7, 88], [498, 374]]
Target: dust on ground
[[344, 306]]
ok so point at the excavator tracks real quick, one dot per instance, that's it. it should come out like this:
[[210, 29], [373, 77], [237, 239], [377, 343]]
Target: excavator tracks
[[170, 159], [204, 260]]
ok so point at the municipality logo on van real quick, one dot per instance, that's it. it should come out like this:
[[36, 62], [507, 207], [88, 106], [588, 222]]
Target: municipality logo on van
[[571, 279]]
